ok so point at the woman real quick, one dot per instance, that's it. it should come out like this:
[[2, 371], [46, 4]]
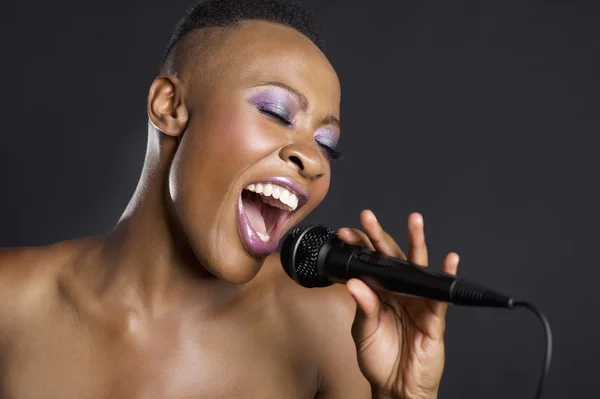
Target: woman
[[186, 297]]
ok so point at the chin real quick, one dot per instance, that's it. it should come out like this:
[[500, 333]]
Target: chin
[[228, 260], [241, 269]]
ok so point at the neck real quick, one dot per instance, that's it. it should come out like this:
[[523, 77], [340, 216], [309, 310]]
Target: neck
[[146, 260]]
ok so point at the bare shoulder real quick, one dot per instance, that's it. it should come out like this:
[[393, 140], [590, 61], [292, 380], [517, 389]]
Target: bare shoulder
[[27, 275], [324, 319], [23, 268]]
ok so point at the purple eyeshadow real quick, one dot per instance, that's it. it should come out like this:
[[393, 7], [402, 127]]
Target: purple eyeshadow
[[275, 99], [327, 136]]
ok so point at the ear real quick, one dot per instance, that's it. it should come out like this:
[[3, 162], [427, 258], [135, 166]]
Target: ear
[[166, 107]]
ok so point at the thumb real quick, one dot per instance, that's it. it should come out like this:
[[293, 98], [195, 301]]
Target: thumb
[[366, 320]]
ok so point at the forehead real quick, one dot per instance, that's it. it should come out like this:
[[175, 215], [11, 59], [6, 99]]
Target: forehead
[[258, 51]]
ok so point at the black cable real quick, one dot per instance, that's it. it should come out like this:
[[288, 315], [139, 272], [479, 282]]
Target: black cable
[[548, 354]]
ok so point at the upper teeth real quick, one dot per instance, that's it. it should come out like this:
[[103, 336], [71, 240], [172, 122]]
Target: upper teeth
[[275, 195]]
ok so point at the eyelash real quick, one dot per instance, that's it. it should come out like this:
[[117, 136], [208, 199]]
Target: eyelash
[[332, 153], [274, 115]]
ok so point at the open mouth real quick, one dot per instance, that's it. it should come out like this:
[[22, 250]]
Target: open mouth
[[265, 209]]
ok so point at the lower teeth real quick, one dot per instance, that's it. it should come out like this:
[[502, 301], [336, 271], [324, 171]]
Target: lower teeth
[[263, 237]]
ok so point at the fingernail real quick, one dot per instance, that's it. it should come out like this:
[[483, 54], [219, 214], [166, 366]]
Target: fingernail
[[373, 215], [420, 220], [346, 231]]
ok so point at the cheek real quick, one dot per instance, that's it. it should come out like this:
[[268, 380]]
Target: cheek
[[218, 147], [239, 140], [221, 146]]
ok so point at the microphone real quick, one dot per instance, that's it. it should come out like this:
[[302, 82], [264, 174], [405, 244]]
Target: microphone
[[313, 256]]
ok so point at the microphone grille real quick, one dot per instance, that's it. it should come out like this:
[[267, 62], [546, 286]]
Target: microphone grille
[[299, 254]]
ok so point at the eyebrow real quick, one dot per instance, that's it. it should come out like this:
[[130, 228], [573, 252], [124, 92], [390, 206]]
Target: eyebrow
[[331, 120], [303, 101]]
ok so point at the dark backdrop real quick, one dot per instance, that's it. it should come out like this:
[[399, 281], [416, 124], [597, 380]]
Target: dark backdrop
[[482, 115]]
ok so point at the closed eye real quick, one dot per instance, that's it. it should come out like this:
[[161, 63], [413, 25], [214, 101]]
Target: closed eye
[[332, 153], [274, 115]]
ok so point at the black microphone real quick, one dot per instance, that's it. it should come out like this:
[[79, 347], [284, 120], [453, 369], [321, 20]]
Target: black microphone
[[313, 256]]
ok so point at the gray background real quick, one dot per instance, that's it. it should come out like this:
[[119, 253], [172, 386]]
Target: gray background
[[482, 115]]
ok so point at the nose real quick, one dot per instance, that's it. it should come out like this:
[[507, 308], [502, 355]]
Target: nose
[[305, 159]]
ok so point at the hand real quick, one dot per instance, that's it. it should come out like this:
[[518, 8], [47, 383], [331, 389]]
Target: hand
[[399, 338]]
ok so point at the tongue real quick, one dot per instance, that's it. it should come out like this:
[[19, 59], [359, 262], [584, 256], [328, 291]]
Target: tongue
[[252, 209]]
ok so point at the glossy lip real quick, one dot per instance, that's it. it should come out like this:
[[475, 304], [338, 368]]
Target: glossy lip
[[251, 240]]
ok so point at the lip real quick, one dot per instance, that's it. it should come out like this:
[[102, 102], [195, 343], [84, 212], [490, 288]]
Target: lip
[[251, 240]]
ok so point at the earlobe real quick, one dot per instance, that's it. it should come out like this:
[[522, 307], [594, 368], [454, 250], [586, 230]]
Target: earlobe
[[166, 106]]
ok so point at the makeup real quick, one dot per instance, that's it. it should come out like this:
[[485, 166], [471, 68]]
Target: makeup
[[260, 225], [280, 104], [328, 137], [275, 102]]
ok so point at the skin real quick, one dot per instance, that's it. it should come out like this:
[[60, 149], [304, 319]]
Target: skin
[[171, 304]]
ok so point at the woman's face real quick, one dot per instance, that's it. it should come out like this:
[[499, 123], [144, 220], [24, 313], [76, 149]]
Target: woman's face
[[254, 158]]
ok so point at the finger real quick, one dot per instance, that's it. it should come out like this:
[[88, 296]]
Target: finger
[[355, 237], [450, 266], [366, 320], [381, 240], [417, 249]]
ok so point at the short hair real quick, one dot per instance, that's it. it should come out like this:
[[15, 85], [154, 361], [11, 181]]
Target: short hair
[[226, 13]]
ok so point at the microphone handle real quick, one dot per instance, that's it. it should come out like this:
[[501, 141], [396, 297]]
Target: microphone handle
[[340, 262]]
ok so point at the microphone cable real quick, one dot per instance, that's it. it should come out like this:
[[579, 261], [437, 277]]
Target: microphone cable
[[548, 333]]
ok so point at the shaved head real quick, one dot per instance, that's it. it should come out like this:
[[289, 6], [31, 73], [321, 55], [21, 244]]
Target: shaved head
[[194, 49], [206, 23]]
